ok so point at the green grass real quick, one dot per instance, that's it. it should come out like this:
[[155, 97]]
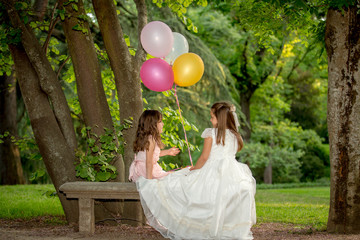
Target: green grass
[[27, 201], [303, 206], [300, 206]]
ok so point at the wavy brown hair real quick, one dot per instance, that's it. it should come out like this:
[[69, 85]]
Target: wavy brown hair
[[147, 127], [226, 120]]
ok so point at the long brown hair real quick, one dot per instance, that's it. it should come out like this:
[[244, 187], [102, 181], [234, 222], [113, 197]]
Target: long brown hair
[[225, 120], [147, 127]]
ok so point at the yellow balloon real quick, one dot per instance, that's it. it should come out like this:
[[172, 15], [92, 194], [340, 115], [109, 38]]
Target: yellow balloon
[[188, 69]]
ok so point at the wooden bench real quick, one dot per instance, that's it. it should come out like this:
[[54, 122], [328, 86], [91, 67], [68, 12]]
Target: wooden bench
[[86, 192]]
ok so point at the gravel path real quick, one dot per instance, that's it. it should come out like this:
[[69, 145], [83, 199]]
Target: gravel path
[[45, 228]]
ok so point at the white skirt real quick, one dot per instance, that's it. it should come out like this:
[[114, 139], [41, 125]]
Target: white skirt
[[214, 202]]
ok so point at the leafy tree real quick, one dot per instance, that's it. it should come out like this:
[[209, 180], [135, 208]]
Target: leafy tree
[[237, 46], [48, 110], [342, 46]]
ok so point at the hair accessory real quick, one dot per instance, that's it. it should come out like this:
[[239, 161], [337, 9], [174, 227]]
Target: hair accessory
[[233, 111]]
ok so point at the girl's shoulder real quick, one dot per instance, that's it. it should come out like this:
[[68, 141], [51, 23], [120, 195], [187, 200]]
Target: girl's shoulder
[[208, 132]]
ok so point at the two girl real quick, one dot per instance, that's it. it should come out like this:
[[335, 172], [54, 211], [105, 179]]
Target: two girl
[[213, 199]]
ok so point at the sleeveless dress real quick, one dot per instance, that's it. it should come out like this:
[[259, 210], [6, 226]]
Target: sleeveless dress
[[138, 166], [214, 202]]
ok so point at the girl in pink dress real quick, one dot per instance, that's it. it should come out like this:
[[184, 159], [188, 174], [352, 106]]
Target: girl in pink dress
[[147, 147]]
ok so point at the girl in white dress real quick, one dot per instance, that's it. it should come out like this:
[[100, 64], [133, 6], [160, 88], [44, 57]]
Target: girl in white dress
[[213, 199]]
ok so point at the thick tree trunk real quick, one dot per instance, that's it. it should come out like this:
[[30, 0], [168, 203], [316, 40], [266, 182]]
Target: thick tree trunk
[[90, 89], [47, 108], [343, 49], [245, 108], [57, 155], [11, 171], [126, 70]]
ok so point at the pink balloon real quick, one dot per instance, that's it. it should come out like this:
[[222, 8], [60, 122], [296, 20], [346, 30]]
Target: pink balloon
[[157, 75], [157, 39]]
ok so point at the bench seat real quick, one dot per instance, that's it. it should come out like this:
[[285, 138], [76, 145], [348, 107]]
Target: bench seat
[[86, 192]]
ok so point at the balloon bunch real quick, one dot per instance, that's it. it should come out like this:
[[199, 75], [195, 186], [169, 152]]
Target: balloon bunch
[[172, 63]]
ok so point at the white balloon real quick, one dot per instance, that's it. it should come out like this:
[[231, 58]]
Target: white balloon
[[157, 39], [180, 46]]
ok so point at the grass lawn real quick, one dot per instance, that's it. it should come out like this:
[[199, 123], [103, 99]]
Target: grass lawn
[[301, 206], [27, 201], [304, 206]]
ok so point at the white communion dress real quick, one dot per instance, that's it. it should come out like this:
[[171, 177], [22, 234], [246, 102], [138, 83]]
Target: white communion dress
[[214, 202]]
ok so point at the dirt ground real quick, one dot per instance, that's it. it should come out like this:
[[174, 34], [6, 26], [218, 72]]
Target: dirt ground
[[46, 228]]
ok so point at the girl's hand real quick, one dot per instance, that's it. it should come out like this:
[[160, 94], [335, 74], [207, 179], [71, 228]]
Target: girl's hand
[[173, 151]]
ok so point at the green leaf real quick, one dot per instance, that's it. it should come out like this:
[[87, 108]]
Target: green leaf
[[95, 149], [83, 173], [91, 142], [75, 7], [77, 27], [103, 176]]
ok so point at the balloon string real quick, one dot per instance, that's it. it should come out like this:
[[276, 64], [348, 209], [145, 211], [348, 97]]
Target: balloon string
[[182, 122]]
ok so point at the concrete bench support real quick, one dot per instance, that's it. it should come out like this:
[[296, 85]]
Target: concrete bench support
[[86, 192]]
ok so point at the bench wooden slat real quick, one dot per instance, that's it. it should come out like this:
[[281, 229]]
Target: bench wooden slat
[[100, 190]]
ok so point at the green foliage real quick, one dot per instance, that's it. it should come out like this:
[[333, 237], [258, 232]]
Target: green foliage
[[95, 163], [179, 8], [285, 162], [32, 164], [173, 136], [295, 154]]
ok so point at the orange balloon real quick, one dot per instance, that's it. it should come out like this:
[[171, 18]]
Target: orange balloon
[[188, 69]]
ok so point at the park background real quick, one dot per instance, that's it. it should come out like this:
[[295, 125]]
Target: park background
[[266, 57]]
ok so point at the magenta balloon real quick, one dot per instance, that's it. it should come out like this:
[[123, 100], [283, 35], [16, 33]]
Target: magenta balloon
[[157, 39], [157, 75]]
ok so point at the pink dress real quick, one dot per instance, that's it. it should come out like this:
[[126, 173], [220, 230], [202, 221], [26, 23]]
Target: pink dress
[[138, 166]]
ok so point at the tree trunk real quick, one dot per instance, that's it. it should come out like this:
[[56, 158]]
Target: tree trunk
[[47, 108], [343, 49], [57, 155], [11, 171], [268, 174], [90, 89], [126, 70], [245, 108]]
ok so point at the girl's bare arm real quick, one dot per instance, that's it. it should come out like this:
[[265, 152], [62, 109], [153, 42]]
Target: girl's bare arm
[[171, 152], [204, 155], [149, 159]]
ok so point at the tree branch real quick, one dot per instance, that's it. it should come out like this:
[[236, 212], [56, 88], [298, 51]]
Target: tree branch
[[47, 77], [142, 21], [51, 28]]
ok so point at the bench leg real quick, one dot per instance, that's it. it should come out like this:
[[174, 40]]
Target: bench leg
[[86, 215]]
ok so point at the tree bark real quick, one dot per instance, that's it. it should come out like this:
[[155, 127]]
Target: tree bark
[[47, 108], [47, 77], [245, 108], [343, 48], [268, 173], [90, 89], [126, 68], [11, 171], [57, 155]]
